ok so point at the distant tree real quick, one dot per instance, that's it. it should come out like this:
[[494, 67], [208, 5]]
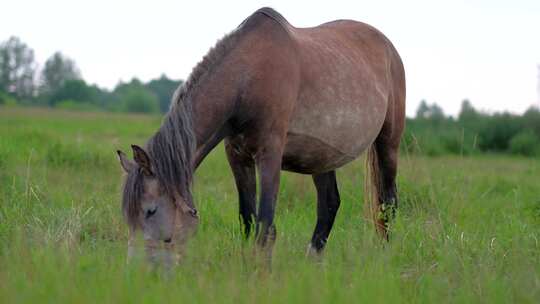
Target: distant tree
[[6, 99], [431, 112], [100, 97], [135, 97], [436, 113], [467, 113], [423, 110], [531, 120], [57, 70], [17, 69], [163, 88], [74, 90]]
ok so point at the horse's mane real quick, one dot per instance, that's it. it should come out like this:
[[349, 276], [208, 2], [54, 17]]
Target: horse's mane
[[216, 54], [171, 150], [172, 147], [273, 14]]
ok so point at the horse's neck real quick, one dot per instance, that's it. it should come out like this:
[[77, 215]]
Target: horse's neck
[[213, 106]]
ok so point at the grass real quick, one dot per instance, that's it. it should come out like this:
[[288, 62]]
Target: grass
[[467, 230]]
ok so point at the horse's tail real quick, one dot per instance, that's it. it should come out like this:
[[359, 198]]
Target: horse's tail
[[373, 189]]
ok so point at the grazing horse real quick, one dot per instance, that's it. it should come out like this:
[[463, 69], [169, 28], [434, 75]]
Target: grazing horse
[[306, 100]]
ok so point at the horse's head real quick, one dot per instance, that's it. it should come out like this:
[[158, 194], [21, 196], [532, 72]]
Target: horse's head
[[164, 218]]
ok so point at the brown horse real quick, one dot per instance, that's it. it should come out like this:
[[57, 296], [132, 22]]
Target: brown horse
[[306, 100]]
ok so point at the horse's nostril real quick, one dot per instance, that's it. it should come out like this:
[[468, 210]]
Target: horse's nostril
[[168, 240], [150, 212]]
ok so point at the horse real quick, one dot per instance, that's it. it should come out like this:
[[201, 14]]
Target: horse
[[306, 100]]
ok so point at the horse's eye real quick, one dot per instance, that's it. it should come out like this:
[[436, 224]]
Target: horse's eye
[[149, 212]]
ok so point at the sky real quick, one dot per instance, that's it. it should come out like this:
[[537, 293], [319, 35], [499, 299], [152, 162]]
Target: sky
[[485, 51]]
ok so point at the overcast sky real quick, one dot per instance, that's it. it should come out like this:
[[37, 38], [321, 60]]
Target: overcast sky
[[487, 51]]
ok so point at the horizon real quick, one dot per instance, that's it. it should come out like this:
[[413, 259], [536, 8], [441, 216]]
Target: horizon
[[446, 59]]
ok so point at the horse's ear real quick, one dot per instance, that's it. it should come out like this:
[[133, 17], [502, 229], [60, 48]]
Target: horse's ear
[[142, 159], [185, 206], [126, 163]]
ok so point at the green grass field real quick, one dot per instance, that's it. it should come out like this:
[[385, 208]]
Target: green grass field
[[467, 231]]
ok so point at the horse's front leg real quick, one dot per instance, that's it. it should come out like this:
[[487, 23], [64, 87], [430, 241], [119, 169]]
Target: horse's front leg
[[269, 166], [243, 168]]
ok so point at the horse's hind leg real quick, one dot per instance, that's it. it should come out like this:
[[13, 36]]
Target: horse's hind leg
[[383, 154], [388, 199], [243, 168], [383, 158], [327, 206]]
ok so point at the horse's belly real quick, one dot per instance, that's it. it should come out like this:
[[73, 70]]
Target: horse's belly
[[304, 154], [324, 136], [321, 139]]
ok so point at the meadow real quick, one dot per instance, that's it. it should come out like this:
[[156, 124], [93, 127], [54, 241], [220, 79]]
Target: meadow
[[467, 229]]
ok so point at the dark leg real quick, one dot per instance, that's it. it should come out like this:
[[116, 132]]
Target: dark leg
[[243, 168], [269, 165], [387, 154], [327, 206]]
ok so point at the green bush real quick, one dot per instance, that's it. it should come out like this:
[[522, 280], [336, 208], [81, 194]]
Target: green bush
[[433, 148], [422, 144], [525, 143], [7, 100], [498, 130], [134, 97], [140, 101], [75, 90], [453, 144]]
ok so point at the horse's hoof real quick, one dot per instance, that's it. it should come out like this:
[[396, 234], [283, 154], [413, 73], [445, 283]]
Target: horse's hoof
[[312, 252]]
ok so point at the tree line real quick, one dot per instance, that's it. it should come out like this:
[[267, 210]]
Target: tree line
[[59, 84], [431, 132]]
